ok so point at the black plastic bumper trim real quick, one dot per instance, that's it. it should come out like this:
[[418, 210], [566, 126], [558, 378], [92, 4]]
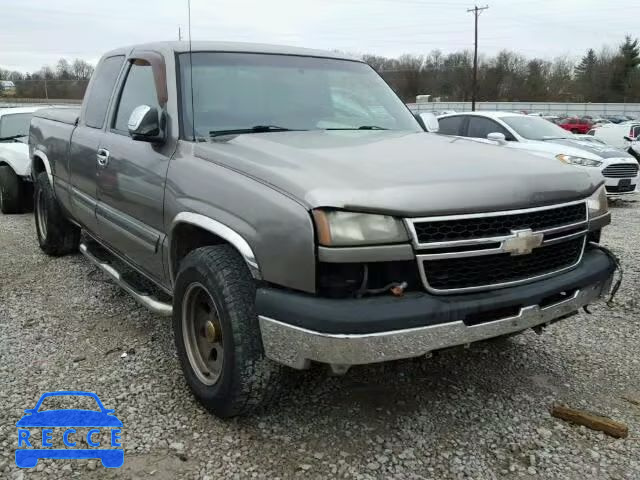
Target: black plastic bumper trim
[[384, 313]]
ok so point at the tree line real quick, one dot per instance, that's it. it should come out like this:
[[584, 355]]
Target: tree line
[[67, 79], [609, 75]]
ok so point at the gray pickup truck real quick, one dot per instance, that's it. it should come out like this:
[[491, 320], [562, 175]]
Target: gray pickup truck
[[286, 208]]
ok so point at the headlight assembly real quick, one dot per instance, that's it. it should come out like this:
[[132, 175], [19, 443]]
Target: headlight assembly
[[337, 228], [597, 203], [580, 161]]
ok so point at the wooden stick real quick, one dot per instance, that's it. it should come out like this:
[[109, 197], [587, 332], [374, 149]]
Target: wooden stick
[[632, 400], [590, 420]]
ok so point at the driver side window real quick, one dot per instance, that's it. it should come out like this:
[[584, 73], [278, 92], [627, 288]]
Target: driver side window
[[480, 127], [139, 89]]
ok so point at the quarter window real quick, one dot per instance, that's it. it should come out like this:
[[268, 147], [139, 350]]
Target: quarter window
[[98, 100]]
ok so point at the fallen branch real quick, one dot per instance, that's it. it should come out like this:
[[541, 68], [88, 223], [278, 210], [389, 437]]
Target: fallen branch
[[632, 400], [590, 420]]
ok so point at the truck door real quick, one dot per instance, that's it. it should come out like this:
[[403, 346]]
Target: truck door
[[83, 153], [131, 181]]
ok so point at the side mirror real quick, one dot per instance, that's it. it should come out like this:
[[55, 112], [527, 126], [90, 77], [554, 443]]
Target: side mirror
[[145, 125], [428, 122], [497, 137], [629, 139]]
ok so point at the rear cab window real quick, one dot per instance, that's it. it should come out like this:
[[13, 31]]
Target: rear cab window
[[106, 75]]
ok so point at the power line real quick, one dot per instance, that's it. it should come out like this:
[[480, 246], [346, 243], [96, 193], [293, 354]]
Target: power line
[[474, 89]]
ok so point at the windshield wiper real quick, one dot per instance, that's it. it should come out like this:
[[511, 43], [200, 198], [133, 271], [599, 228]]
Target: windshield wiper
[[12, 137], [254, 129], [363, 127], [555, 138]]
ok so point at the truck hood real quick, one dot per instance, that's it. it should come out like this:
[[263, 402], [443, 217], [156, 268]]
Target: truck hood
[[16, 154], [398, 173]]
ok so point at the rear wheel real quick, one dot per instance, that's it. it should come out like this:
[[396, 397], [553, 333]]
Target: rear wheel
[[217, 333], [56, 235], [11, 191]]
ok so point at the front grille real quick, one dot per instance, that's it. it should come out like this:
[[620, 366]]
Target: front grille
[[620, 189], [488, 270], [493, 226], [621, 170]]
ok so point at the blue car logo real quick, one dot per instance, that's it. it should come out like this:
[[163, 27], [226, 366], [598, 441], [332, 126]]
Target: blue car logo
[[70, 419]]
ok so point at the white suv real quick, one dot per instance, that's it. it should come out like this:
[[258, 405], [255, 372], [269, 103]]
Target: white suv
[[541, 137]]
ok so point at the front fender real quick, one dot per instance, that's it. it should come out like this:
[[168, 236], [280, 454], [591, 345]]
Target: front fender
[[15, 158]]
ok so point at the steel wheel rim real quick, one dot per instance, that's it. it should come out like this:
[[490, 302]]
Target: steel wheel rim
[[41, 214], [202, 334]]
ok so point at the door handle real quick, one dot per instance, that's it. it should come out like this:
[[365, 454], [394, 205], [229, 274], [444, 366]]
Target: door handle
[[103, 157]]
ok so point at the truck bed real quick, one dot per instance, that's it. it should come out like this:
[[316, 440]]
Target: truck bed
[[67, 115]]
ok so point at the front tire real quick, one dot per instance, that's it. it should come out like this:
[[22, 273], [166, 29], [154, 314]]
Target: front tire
[[56, 235], [217, 333], [11, 191]]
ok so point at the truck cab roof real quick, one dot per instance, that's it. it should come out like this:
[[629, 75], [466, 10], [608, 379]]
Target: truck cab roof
[[233, 47]]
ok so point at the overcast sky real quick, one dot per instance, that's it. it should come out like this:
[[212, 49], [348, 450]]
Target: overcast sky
[[34, 33]]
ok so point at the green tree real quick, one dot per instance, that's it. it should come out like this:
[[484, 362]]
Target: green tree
[[586, 72], [625, 64]]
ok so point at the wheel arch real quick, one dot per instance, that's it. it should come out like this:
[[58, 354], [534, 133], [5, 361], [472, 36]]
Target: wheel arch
[[192, 230], [39, 164]]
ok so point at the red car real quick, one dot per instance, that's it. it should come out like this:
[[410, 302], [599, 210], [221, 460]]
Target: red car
[[576, 125]]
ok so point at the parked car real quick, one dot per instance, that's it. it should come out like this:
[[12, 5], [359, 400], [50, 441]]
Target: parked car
[[576, 125], [617, 118], [16, 193], [533, 134], [7, 88], [280, 230], [620, 135]]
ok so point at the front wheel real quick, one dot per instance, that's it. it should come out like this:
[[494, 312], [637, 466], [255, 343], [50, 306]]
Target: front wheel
[[217, 333], [56, 235]]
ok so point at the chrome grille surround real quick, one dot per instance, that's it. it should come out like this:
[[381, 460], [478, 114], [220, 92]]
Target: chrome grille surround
[[492, 245]]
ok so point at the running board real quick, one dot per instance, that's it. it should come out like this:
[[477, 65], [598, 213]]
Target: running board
[[148, 301]]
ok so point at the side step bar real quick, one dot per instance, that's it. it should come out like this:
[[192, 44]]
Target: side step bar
[[148, 301]]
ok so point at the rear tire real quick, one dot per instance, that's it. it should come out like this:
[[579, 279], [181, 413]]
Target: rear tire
[[11, 191], [56, 235], [217, 333]]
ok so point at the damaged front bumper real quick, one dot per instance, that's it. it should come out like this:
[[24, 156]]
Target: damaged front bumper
[[300, 329]]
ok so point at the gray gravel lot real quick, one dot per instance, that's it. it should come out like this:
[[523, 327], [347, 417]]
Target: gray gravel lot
[[478, 413]]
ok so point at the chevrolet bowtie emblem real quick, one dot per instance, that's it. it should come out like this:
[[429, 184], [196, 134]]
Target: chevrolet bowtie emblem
[[522, 242]]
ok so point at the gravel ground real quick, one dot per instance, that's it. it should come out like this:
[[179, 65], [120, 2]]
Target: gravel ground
[[478, 413]]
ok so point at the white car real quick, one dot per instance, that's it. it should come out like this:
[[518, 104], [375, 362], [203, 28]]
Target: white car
[[622, 135], [15, 166], [543, 138]]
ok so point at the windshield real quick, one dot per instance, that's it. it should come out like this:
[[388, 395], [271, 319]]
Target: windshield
[[238, 91], [535, 128], [14, 124]]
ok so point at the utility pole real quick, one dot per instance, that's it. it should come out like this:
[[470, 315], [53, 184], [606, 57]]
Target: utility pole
[[474, 89], [179, 34]]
